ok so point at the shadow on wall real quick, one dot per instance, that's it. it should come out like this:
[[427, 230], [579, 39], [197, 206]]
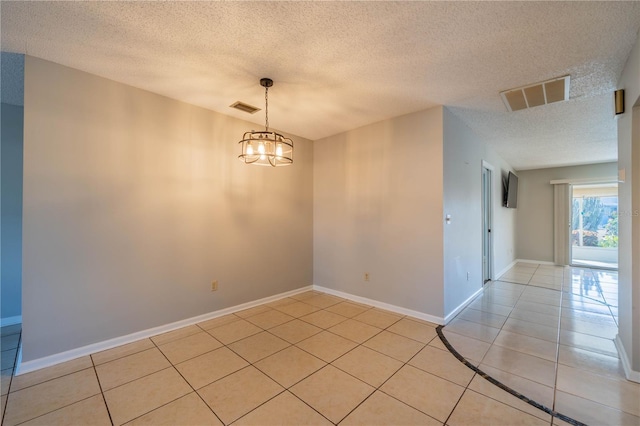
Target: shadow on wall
[[11, 136]]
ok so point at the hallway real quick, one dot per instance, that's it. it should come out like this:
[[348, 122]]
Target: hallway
[[547, 332]]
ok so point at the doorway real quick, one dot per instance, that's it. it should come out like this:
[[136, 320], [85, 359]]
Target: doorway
[[594, 225], [487, 222]]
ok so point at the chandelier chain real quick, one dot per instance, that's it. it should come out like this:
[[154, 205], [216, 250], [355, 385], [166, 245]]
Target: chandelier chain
[[266, 108], [266, 148]]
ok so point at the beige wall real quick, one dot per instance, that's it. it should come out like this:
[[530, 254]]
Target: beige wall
[[629, 208], [534, 233], [134, 202], [378, 209]]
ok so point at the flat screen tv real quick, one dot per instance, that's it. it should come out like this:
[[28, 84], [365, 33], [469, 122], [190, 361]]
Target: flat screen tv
[[511, 192]]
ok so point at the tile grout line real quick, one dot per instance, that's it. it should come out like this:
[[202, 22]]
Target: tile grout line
[[13, 369], [458, 401], [502, 326], [476, 373], [501, 385], [287, 389], [305, 403], [171, 365], [124, 383], [375, 388], [183, 378], [407, 363], [49, 380], [59, 408], [361, 402], [557, 357], [104, 399], [504, 387], [559, 325], [284, 390], [378, 388], [336, 367], [250, 364]]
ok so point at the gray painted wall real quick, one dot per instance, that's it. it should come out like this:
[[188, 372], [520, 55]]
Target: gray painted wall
[[629, 208], [378, 209], [134, 203], [534, 234], [11, 206], [380, 197], [463, 155]]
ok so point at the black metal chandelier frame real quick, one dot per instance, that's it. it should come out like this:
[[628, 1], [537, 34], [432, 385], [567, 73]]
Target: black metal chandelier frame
[[266, 148]]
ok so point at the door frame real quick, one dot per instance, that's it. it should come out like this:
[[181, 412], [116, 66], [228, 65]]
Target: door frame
[[486, 195], [586, 182]]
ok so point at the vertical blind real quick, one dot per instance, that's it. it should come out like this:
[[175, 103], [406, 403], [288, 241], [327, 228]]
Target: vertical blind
[[561, 223]]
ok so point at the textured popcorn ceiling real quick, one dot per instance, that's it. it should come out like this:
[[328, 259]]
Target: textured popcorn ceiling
[[341, 65]]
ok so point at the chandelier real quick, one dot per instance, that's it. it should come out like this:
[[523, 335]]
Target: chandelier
[[266, 148]]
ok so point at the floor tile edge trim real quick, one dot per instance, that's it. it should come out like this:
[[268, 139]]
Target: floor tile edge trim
[[50, 360], [503, 386], [381, 305], [10, 321], [631, 374]]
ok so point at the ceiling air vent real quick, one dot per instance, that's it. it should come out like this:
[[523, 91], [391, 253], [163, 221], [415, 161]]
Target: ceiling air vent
[[244, 107], [533, 95]]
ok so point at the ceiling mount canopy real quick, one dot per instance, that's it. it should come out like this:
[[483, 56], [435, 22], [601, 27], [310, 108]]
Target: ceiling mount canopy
[[266, 148]]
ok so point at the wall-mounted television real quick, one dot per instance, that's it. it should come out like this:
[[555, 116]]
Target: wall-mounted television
[[511, 191]]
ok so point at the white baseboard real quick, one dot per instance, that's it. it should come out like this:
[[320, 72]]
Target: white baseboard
[[381, 305], [541, 262], [10, 321], [460, 307], [48, 361], [504, 271], [512, 264], [631, 374]]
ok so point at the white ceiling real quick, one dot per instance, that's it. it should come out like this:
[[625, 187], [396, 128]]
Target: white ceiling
[[341, 65]]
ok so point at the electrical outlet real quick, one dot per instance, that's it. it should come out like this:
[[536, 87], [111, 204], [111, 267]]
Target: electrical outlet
[[467, 276], [214, 285], [366, 276]]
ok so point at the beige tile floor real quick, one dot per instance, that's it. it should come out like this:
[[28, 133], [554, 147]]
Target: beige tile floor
[[318, 359], [547, 332]]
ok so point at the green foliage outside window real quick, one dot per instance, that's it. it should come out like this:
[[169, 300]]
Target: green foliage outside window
[[611, 232], [592, 213]]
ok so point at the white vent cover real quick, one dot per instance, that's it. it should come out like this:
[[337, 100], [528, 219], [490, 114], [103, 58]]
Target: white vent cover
[[244, 107], [533, 95]]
